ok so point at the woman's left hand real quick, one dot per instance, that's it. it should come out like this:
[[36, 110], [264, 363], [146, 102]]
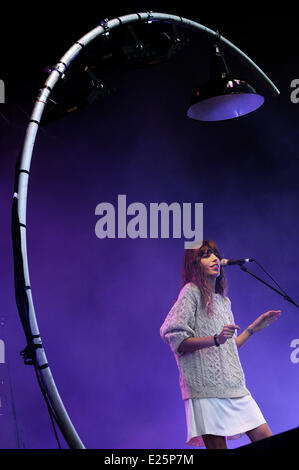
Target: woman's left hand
[[265, 320]]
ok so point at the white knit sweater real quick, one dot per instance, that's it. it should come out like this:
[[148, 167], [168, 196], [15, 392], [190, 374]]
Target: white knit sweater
[[208, 372]]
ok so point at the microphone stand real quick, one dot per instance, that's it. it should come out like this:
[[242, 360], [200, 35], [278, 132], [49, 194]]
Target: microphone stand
[[283, 294]]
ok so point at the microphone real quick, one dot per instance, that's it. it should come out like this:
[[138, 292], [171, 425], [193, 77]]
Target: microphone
[[230, 262]]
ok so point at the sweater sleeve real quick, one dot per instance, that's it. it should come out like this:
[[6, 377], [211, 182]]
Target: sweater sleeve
[[179, 323], [231, 316]]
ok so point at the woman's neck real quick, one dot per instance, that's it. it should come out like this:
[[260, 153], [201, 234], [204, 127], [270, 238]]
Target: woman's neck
[[211, 281]]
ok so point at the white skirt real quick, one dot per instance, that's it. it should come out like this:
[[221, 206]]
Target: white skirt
[[229, 417]]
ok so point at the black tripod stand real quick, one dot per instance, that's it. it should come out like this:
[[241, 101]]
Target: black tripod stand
[[281, 292]]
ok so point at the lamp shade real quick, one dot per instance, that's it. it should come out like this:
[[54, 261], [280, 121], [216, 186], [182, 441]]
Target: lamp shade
[[223, 98]]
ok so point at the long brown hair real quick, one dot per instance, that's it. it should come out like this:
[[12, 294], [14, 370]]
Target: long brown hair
[[192, 271]]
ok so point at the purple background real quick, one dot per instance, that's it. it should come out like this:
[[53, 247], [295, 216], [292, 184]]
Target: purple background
[[100, 303]]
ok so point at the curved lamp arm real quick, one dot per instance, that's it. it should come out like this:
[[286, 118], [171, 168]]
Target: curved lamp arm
[[35, 351]]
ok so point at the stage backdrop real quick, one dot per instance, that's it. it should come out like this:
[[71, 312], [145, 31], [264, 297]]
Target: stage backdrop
[[100, 302]]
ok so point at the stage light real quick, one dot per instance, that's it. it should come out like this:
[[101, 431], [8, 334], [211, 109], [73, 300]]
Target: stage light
[[223, 96]]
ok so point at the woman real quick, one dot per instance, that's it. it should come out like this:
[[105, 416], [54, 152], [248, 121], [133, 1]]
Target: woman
[[201, 332]]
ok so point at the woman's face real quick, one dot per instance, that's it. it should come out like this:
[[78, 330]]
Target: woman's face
[[210, 264]]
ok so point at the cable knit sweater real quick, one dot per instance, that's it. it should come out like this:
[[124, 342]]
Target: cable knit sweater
[[208, 372]]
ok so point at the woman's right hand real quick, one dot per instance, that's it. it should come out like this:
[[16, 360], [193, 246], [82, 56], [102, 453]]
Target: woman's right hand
[[227, 332]]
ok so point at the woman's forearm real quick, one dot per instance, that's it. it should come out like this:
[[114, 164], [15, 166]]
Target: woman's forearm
[[192, 344], [244, 336]]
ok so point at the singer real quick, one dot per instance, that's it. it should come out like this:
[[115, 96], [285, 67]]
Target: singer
[[201, 331]]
